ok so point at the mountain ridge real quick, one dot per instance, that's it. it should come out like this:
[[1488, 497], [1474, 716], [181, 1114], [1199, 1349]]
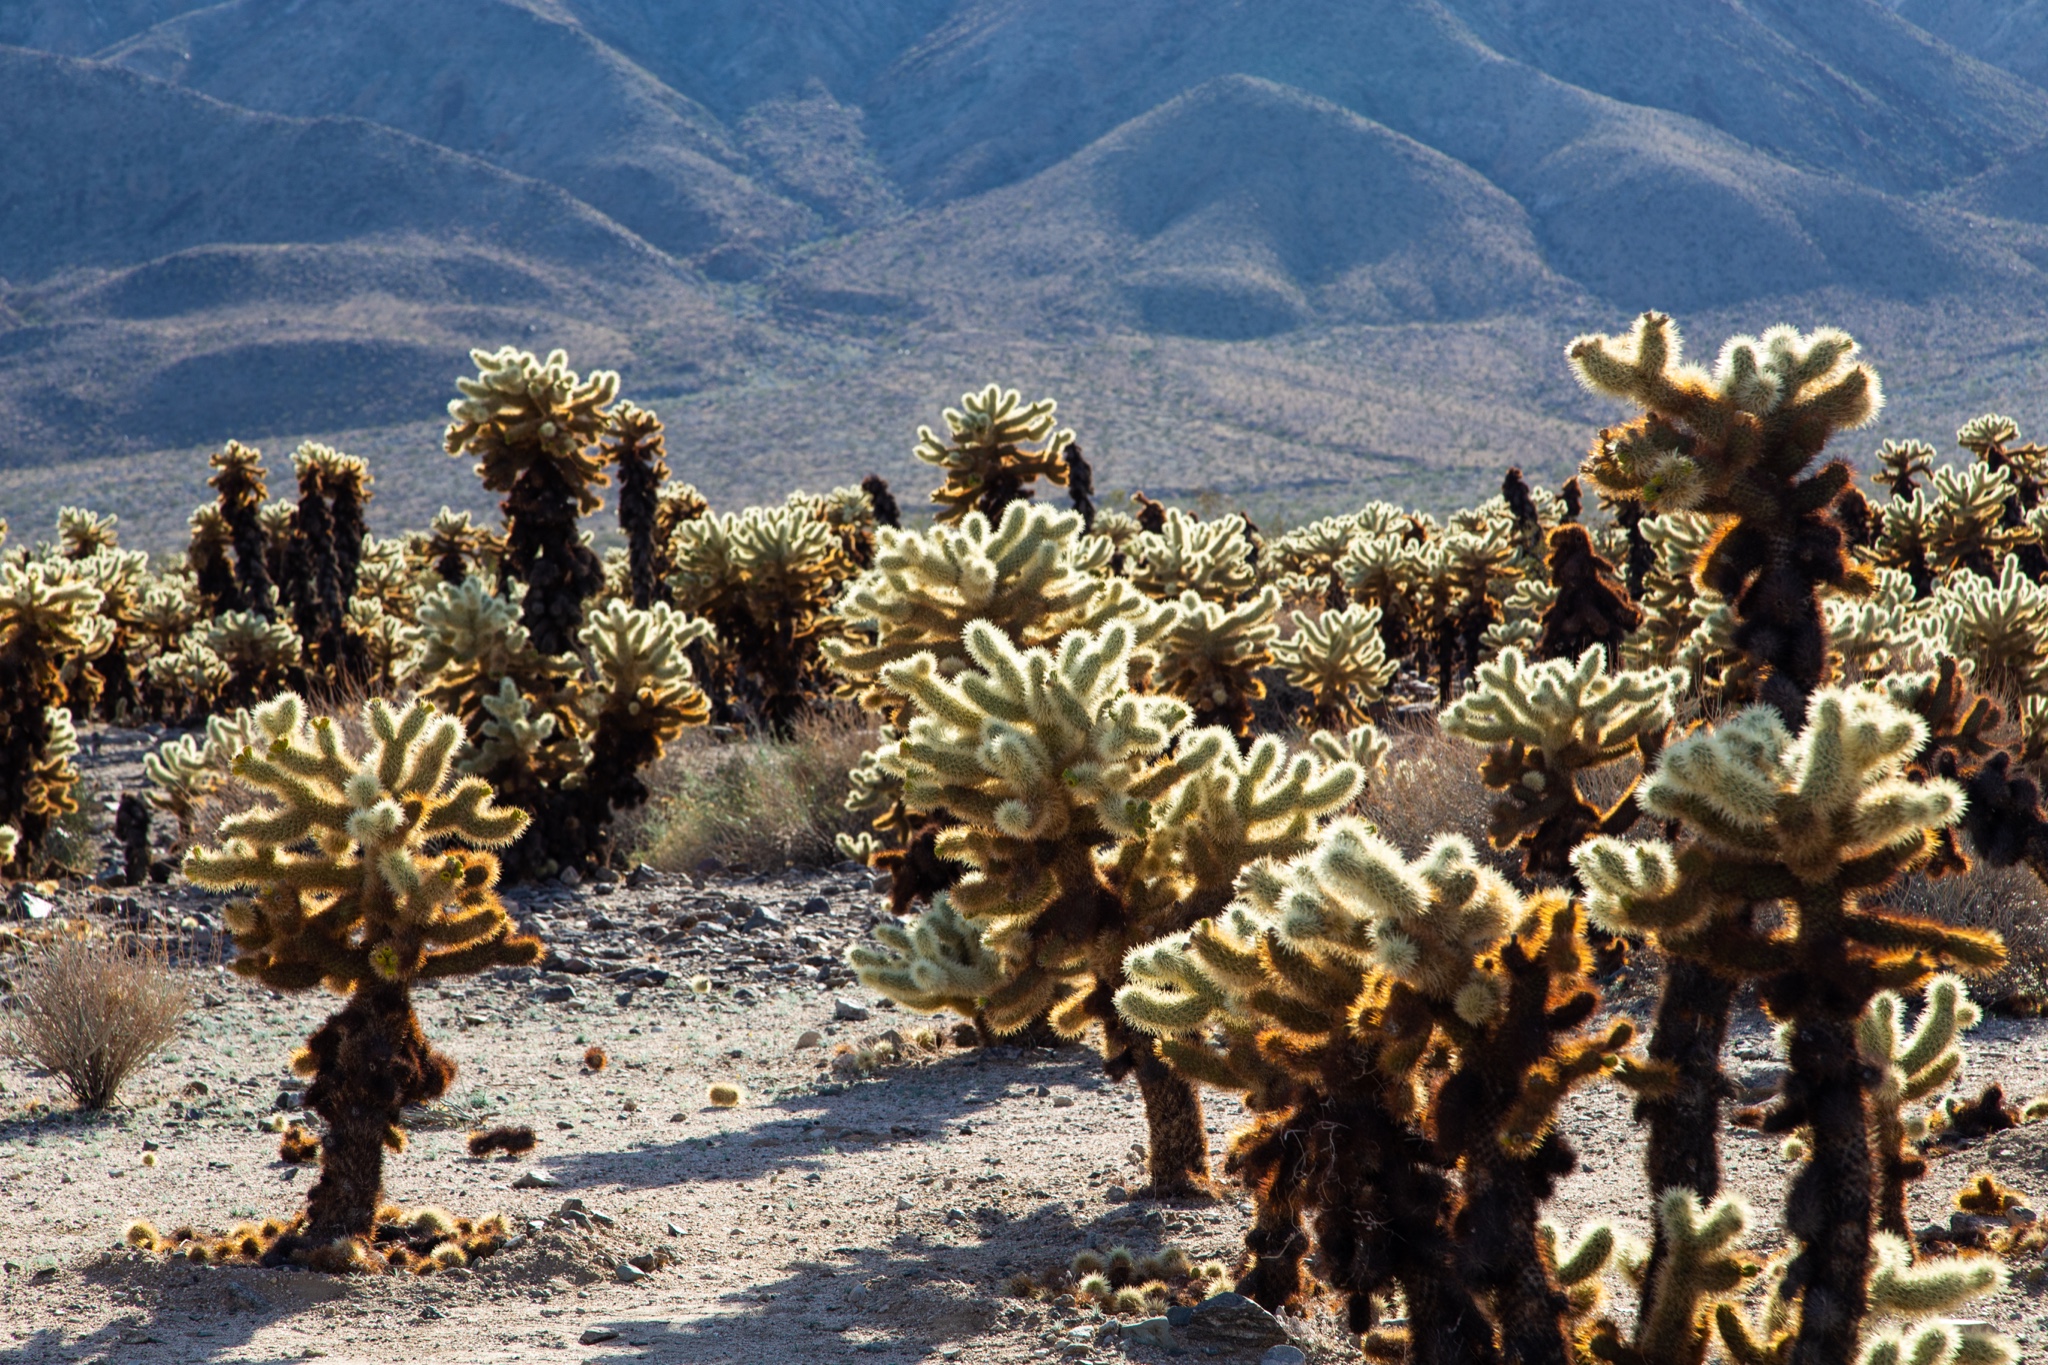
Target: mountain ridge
[[1223, 234]]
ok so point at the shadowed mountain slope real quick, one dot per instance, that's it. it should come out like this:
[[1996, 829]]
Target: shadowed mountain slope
[[1284, 253]]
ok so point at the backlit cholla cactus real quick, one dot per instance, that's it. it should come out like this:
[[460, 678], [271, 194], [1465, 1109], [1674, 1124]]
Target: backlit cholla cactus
[[1383, 570], [641, 698], [1303, 562], [468, 642], [454, 547], [1820, 823], [262, 656], [1521, 618], [1913, 1069], [987, 453], [638, 449], [1339, 659], [238, 479], [82, 532], [1736, 443], [367, 873], [47, 617], [1546, 724], [185, 772], [1875, 635], [1209, 655], [1901, 465], [325, 554], [1589, 606], [1034, 577], [1212, 559], [2000, 627], [1387, 1020], [102, 677], [932, 962], [851, 515], [765, 579], [1965, 525], [1088, 821], [534, 427]]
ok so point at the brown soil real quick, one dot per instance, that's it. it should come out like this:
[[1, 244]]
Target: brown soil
[[826, 1218]]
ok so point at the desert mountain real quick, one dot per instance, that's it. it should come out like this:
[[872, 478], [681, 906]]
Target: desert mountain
[[1280, 251]]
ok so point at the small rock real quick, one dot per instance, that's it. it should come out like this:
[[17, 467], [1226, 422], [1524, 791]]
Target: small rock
[[849, 1010], [536, 1179], [675, 1231], [594, 1335], [1116, 1194], [432, 1314], [2019, 1215], [956, 1215], [882, 883], [762, 918], [743, 996], [810, 1037], [903, 1204], [1284, 1355], [1150, 1332], [571, 877], [555, 995], [1063, 1101], [629, 1273], [36, 906], [816, 905], [211, 1001], [1181, 1314], [1234, 1321]]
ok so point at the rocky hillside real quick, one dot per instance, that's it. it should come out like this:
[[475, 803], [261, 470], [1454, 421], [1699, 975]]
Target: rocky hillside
[[1281, 252]]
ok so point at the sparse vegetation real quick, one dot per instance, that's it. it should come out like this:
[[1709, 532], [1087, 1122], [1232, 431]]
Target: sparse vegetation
[[92, 1010]]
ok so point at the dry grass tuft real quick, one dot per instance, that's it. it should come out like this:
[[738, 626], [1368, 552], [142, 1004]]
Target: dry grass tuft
[[92, 1010], [1430, 787], [760, 802], [2010, 900]]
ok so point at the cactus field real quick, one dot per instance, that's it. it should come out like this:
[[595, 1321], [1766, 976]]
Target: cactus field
[[1603, 924]]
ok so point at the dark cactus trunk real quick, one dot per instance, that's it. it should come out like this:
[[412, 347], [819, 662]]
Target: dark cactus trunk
[[370, 1062]]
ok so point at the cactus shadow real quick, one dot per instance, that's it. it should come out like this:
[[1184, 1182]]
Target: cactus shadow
[[227, 1306], [896, 1303], [793, 1133]]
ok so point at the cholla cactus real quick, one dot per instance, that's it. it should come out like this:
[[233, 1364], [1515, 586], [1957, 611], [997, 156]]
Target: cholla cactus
[[467, 642], [326, 552], [1082, 837], [82, 532], [1735, 444], [1034, 577], [1901, 465], [2000, 628], [1333, 980], [368, 874], [47, 618], [1590, 606], [642, 699], [1544, 725], [932, 962], [1383, 570], [454, 546], [533, 427], [238, 480], [765, 579], [1212, 559], [1820, 822], [986, 455], [1209, 655], [1912, 1070], [1908, 1322], [187, 771], [1339, 659], [638, 448], [1521, 618], [207, 556], [1965, 524], [1305, 560], [185, 683], [262, 656]]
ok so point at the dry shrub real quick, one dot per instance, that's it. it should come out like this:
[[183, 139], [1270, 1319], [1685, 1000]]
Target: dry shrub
[[2010, 900], [92, 1010], [1430, 787], [763, 802]]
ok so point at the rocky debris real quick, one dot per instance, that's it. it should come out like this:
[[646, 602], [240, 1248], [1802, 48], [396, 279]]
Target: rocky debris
[[849, 1011], [1284, 1355], [593, 1336], [536, 1179], [1233, 1322]]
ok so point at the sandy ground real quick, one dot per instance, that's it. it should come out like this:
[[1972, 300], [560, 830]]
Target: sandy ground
[[824, 1219]]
